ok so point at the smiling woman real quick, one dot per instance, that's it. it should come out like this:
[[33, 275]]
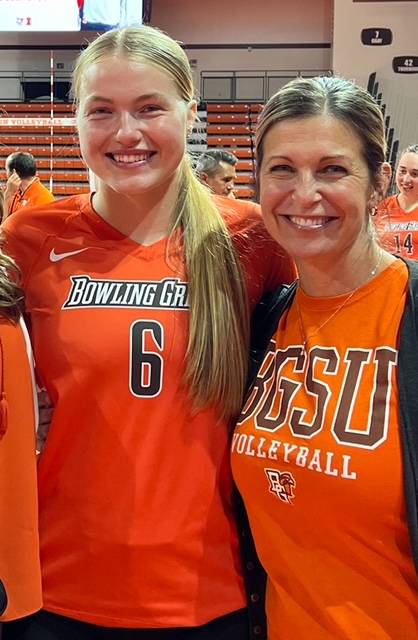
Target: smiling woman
[[314, 203], [329, 186], [324, 449], [397, 216], [133, 136], [139, 297]]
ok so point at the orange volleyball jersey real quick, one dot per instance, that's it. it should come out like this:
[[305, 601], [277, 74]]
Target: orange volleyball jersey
[[397, 229], [317, 458], [35, 195], [136, 520], [19, 541]]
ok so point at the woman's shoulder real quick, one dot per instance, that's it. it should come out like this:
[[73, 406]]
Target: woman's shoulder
[[231, 208], [241, 216], [45, 218], [26, 230]]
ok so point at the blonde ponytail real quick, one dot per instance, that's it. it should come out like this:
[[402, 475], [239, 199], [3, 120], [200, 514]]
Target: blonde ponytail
[[218, 345]]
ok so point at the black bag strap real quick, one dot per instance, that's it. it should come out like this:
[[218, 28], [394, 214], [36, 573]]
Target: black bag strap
[[264, 323], [408, 401], [3, 598]]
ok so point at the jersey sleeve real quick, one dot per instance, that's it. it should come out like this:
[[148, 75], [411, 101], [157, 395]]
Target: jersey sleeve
[[26, 231]]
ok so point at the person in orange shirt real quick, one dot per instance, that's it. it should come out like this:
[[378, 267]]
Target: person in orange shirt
[[325, 453], [139, 297], [23, 188], [397, 216], [20, 577]]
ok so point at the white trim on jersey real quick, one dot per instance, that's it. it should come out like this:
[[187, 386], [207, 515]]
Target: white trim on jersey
[[32, 365]]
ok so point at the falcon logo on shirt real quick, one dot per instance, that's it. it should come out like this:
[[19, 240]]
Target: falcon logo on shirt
[[281, 484]]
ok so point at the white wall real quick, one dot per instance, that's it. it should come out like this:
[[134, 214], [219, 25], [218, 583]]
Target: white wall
[[243, 21], [357, 61], [251, 26]]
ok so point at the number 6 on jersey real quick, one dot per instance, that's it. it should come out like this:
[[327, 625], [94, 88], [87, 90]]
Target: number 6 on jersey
[[146, 367]]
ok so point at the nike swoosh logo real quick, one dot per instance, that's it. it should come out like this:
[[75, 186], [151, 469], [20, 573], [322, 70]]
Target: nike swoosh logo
[[55, 257]]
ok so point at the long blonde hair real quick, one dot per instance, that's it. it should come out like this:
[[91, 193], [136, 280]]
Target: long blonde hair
[[219, 315]]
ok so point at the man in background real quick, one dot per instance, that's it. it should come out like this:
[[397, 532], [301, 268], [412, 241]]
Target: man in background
[[23, 187], [216, 169]]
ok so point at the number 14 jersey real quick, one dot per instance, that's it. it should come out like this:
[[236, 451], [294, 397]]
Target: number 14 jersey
[[398, 229]]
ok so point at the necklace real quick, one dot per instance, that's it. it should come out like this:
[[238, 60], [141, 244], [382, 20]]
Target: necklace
[[337, 310]]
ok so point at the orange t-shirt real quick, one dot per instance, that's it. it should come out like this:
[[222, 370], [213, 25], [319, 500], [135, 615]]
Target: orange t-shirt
[[19, 542], [397, 229], [317, 458], [136, 519], [35, 195]]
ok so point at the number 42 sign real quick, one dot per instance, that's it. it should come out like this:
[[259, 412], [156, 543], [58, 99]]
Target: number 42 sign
[[405, 64]]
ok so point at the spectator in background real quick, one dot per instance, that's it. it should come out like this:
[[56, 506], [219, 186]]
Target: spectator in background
[[216, 169], [397, 216], [23, 188]]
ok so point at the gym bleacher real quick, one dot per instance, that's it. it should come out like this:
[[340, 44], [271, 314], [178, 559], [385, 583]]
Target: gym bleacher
[[54, 142]]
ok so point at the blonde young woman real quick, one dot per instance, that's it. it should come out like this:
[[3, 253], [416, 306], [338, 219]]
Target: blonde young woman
[[139, 299], [325, 453]]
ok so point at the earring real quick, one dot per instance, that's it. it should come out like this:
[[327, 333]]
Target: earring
[[374, 203]]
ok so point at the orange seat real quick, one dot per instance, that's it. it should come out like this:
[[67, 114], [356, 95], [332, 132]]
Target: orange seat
[[14, 140], [33, 108], [243, 153], [65, 139], [224, 108], [60, 190], [43, 140], [34, 130], [227, 118], [243, 193], [244, 179], [65, 152], [68, 164], [229, 142], [64, 176], [244, 165], [67, 190], [227, 129]]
